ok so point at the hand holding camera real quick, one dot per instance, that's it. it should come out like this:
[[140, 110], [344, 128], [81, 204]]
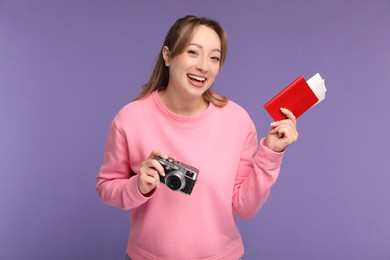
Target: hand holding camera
[[176, 175], [150, 171]]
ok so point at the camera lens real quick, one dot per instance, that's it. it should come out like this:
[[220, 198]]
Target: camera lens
[[175, 181]]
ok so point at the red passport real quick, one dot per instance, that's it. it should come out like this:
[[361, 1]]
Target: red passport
[[297, 97]]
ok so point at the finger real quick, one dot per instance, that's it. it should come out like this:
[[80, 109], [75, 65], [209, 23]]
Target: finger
[[285, 130], [284, 121], [286, 126], [151, 180], [289, 114], [156, 153], [282, 132], [147, 183], [288, 135], [152, 167], [150, 172], [158, 167], [280, 127]]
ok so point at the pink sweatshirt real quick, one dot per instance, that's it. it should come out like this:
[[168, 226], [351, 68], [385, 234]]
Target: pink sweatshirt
[[235, 177]]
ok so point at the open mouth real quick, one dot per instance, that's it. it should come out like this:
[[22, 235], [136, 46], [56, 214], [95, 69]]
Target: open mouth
[[197, 78]]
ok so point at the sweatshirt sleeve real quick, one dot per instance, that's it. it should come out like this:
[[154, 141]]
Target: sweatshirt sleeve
[[116, 185], [258, 170]]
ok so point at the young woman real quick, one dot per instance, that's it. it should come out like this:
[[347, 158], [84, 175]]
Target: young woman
[[178, 115]]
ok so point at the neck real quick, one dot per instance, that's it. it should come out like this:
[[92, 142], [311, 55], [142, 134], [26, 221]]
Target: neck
[[181, 106]]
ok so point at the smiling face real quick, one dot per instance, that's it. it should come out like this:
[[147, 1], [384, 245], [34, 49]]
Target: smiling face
[[192, 72]]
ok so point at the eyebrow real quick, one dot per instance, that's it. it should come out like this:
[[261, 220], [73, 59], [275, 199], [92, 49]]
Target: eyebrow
[[200, 46]]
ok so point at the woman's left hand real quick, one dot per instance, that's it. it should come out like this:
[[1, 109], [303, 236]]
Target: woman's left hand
[[283, 133]]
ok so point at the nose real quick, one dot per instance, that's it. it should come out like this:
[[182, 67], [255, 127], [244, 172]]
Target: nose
[[203, 64]]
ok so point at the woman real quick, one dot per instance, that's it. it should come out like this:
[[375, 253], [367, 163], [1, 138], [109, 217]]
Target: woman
[[178, 115]]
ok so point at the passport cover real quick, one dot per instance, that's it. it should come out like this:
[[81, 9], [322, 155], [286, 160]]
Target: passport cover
[[297, 97]]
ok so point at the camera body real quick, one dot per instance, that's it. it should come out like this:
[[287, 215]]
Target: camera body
[[178, 176]]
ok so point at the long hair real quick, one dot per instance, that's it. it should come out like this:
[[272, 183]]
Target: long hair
[[177, 40]]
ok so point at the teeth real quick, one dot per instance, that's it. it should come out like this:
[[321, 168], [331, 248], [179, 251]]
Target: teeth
[[197, 78]]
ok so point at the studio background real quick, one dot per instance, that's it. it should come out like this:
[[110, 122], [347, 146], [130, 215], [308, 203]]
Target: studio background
[[67, 67]]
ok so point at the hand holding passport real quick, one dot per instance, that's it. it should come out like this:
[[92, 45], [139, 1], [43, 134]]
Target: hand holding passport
[[297, 97]]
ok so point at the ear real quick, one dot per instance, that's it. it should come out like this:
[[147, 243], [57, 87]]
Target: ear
[[165, 54]]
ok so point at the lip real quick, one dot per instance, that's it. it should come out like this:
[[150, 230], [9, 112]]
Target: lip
[[198, 78]]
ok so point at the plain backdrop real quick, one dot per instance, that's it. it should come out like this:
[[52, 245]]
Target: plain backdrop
[[67, 67]]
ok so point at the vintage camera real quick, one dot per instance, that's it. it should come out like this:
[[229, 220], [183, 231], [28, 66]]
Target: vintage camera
[[178, 176]]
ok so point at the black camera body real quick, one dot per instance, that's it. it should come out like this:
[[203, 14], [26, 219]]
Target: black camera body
[[178, 176]]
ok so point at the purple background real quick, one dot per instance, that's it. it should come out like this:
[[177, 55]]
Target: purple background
[[66, 67]]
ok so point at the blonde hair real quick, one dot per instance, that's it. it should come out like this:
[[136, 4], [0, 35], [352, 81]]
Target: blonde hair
[[177, 39]]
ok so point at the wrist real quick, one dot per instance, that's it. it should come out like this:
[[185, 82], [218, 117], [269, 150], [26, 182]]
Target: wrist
[[269, 144]]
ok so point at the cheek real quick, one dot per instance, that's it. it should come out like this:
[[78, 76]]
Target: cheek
[[215, 71], [177, 74]]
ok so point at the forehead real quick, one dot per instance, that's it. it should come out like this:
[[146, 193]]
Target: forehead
[[206, 37]]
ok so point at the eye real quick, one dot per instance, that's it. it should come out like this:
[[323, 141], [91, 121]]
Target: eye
[[192, 52], [215, 59]]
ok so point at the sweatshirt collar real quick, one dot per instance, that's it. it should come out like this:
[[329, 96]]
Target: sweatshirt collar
[[179, 118]]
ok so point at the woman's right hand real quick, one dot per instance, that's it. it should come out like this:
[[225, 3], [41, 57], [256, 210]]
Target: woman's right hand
[[149, 173]]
